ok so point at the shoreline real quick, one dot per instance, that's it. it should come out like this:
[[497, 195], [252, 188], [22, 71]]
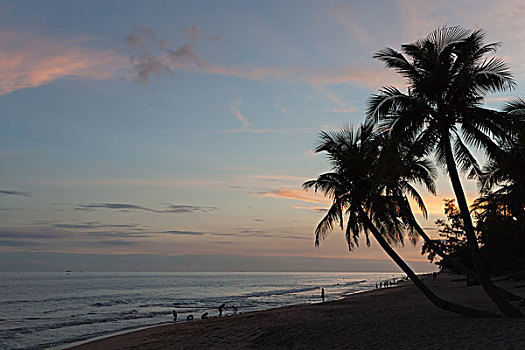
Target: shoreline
[[102, 337], [376, 319], [78, 343]]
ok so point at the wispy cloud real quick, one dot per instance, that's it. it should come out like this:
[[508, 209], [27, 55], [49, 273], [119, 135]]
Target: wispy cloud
[[342, 106], [157, 58], [192, 34], [14, 193], [249, 230], [30, 59], [242, 233], [299, 195], [172, 208], [141, 37], [235, 109], [320, 210], [185, 233], [94, 225], [277, 105]]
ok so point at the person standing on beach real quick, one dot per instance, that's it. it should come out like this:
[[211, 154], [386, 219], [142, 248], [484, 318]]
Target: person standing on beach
[[222, 307], [174, 315], [322, 294]]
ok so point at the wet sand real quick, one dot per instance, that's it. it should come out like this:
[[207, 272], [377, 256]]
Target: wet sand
[[399, 317]]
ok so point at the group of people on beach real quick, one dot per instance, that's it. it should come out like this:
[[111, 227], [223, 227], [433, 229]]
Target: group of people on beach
[[386, 283], [223, 307], [205, 315]]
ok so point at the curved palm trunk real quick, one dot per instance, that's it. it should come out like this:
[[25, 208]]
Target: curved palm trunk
[[447, 258], [506, 308], [437, 301]]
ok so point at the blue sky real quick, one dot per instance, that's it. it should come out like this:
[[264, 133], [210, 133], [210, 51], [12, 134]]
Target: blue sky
[[186, 128]]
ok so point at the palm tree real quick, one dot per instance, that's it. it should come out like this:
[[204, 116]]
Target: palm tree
[[448, 76], [364, 192], [505, 171]]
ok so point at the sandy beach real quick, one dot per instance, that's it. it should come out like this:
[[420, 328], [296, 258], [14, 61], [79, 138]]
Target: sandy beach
[[388, 318]]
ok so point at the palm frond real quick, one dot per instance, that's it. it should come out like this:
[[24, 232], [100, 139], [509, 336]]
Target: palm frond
[[388, 100], [464, 158], [397, 61], [326, 224], [493, 75]]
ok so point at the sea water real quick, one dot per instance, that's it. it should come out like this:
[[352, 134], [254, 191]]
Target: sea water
[[42, 310]]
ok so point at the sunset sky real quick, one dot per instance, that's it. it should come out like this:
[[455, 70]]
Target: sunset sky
[[184, 130]]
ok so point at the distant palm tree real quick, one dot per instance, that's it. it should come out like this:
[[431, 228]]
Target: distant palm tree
[[448, 76], [364, 189]]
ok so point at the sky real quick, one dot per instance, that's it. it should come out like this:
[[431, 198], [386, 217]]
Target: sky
[[175, 135]]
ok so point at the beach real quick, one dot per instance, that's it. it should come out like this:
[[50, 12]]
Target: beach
[[399, 317]]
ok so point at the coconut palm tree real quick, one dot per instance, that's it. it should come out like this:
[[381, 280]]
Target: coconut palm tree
[[401, 166], [505, 171], [366, 194], [448, 76]]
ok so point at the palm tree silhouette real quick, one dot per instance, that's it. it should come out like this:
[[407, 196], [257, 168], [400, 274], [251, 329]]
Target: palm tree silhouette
[[448, 75], [505, 171], [370, 190]]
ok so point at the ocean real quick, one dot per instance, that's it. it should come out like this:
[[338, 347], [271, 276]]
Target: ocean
[[51, 309]]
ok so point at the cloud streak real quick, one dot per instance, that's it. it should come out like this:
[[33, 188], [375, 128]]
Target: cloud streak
[[172, 208], [242, 233], [30, 59], [184, 233], [14, 193], [298, 195], [235, 108]]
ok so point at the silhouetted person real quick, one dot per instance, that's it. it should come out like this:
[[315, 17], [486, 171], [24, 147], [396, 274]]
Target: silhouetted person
[[204, 316], [322, 294], [174, 315], [189, 318], [221, 308], [234, 308]]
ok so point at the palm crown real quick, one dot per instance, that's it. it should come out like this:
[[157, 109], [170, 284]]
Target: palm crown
[[369, 177], [448, 75]]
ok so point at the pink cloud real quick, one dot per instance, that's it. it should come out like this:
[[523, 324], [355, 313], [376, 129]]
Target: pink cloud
[[30, 59], [299, 195], [235, 109]]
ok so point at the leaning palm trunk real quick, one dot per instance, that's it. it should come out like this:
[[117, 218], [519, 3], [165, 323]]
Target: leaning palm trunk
[[456, 263], [505, 307], [437, 301]]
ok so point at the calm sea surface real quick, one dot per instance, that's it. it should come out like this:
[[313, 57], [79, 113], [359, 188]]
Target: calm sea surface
[[41, 310]]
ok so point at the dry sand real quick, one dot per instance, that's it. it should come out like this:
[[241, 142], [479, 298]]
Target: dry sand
[[388, 318]]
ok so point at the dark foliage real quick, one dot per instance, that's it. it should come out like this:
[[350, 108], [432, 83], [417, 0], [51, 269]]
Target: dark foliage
[[453, 241]]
